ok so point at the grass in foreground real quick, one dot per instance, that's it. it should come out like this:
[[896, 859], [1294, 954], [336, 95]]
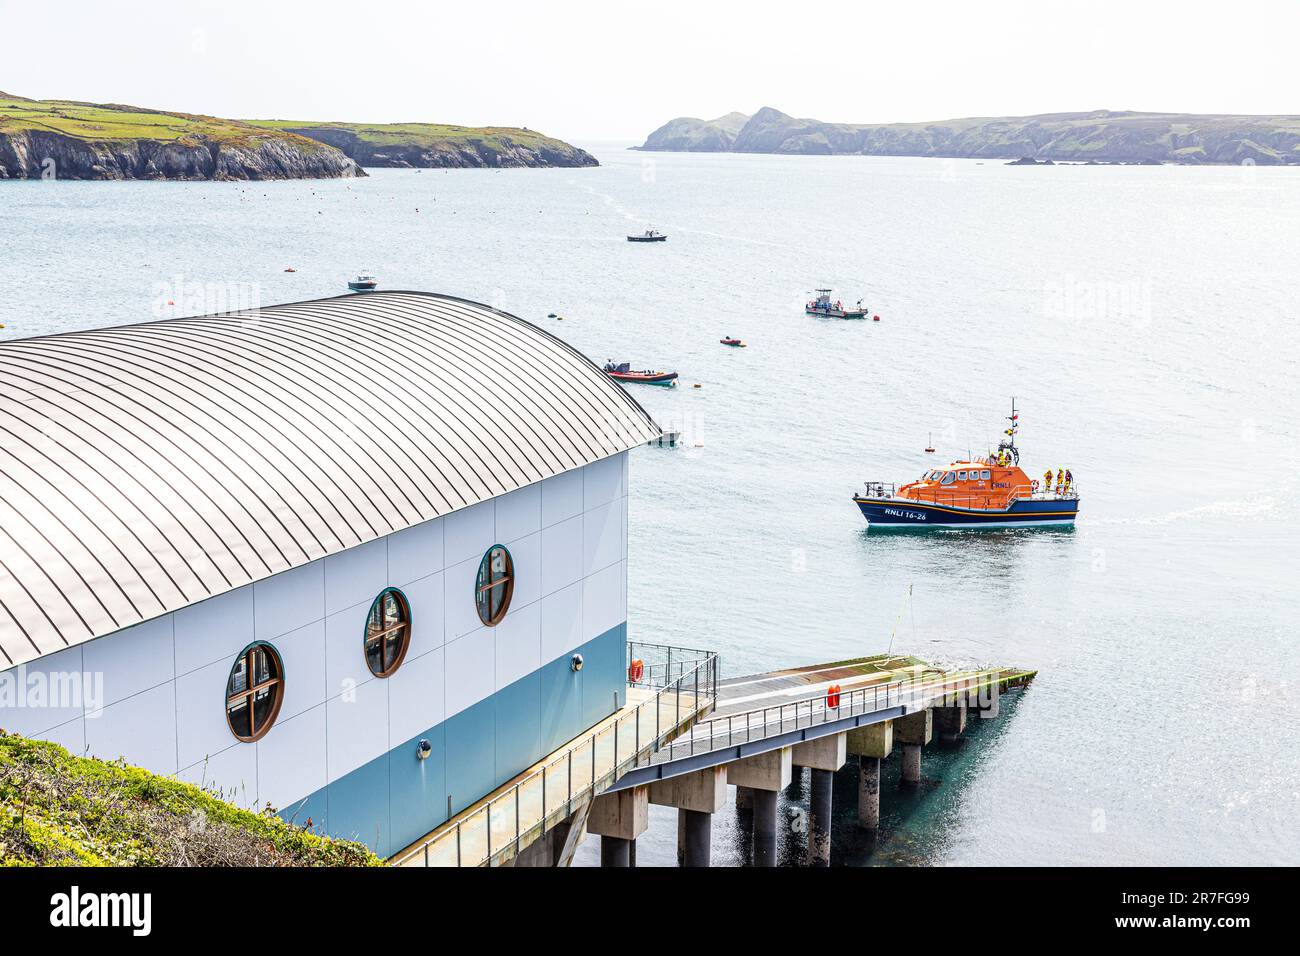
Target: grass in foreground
[[60, 810]]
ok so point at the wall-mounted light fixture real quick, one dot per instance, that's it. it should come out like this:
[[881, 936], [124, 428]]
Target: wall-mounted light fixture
[[423, 749], [576, 662]]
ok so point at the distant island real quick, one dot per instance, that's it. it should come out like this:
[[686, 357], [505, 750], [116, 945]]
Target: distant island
[[64, 139], [1102, 136]]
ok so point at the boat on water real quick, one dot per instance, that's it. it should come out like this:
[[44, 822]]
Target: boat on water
[[650, 235], [830, 308], [988, 492], [734, 343], [623, 372], [364, 282]]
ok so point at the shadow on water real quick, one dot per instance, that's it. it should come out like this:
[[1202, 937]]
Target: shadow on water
[[996, 552], [914, 821]]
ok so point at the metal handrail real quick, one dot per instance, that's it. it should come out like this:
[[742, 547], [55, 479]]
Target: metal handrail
[[639, 737], [803, 713]]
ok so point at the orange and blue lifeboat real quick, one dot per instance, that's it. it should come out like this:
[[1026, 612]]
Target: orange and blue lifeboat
[[980, 493]]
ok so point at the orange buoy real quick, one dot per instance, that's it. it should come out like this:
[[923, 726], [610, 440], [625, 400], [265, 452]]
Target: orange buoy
[[875, 318], [635, 671], [833, 696]]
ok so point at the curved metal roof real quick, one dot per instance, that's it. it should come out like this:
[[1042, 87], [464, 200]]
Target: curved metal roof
[[147, 467]]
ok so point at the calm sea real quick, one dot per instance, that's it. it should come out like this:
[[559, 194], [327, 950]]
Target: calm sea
[[1145, 318]]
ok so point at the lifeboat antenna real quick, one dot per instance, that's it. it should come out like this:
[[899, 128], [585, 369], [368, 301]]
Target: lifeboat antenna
[[929, 442], [1008, 444]]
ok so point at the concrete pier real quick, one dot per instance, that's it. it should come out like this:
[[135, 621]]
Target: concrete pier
[[744, 798], [822, 756], [696, 796], [911, 764], [765, 828], [869, 793], [615, 851], [914, 731], [819, 823], [618, 819], [698, 828], [871, 744], [763, 777], [951, 721]]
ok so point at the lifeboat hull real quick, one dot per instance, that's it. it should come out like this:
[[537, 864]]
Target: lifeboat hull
[[902, 513]]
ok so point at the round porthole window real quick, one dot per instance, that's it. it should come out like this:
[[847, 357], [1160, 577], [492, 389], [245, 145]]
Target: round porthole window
[[388, 632], [254, 692], [495, 585]]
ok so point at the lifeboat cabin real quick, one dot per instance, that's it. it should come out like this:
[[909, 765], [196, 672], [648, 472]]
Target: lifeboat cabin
[[979, 493]]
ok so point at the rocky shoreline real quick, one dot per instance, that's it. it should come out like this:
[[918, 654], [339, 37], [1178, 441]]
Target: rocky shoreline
[[35, 154], [496, 152]]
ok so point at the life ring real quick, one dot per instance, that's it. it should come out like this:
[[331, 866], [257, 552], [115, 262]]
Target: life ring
[[635, 670], [833, 696], [1033, 486]]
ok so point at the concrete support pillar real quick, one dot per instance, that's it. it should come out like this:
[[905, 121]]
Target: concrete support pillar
[[911, 764], [622, 815], [698, 828], [824, 753], [763, 776], [951, 721], [615, 851], [631, 853], [819, 823], [744, 798], [765, 828], [913, 731], [681, 840], [697, 796], [869, 792], [794, 789]]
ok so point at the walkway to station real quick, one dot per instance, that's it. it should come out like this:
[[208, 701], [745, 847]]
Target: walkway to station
[[672, 694]]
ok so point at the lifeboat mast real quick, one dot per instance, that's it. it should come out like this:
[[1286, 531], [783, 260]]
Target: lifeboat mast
[[1008, 444]]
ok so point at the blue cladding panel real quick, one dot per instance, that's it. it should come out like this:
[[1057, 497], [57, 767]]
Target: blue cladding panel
[[396, 799], [358, 806], [603, 677], [418, 788], [471, 754], [561, 700], [519, 736]]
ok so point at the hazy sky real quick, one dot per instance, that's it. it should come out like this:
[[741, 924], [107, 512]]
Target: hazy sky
[[615, 70]]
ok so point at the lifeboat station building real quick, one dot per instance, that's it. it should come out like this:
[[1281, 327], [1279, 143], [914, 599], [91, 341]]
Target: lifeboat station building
[[362, 559]]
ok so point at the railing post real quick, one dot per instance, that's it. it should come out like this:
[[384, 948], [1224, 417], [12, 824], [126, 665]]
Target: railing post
[[489, 829], [569, 802], [544, 808]]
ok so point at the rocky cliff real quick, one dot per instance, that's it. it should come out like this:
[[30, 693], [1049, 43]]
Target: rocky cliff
[[1100, 136], [35, 154], [65, 139], [430, 145]]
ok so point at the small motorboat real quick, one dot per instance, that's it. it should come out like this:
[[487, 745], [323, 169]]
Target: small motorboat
[[734, 343], [624, 372], [650, 235], [365, 282], [823, 305]]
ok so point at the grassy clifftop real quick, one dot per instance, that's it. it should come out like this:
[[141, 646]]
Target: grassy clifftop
[[60, 810], [64, 139], [438, 144], [109, 122]]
